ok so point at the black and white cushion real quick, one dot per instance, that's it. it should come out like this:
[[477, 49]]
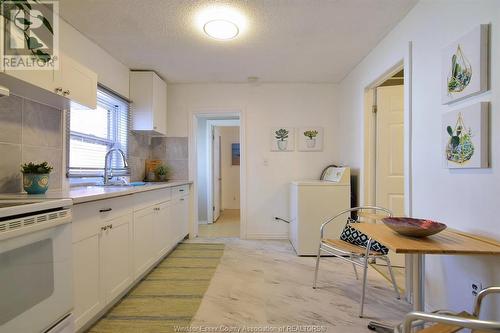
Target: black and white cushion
[[353, 236]]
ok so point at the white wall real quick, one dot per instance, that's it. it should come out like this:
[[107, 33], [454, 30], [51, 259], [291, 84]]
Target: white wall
[[265, 106], [112, 73], [230, 173], [463, 199]]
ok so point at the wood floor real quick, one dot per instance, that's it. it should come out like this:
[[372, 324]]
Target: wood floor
[[227, 225]]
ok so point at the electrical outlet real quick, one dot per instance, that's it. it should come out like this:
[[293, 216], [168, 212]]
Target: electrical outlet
[[476, 287]]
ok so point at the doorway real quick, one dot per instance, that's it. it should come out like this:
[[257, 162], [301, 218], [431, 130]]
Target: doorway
[[386, 160], [218, 176]]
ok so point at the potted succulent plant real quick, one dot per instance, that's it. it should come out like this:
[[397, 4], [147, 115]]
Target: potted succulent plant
[[281, 136], [162, 171], [36, 177], [311, 138]]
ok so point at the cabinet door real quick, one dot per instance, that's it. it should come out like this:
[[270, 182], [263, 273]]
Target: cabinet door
[[41, 78], [116, 245], [88, 299], [159, 104], [184, 212], [162, 229], [144, 253], [78, 83]]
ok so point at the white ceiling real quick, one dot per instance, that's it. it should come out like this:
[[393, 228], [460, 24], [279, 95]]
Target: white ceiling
[[286, 40]]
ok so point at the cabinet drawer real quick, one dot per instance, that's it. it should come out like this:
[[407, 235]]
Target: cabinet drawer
[[180, 191], [89, 217], [151, 198]]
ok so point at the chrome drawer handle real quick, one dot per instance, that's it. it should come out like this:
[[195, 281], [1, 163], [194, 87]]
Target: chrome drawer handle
[[104, 210], [104, 228], [66, 92], [181, 190], [58, 90]]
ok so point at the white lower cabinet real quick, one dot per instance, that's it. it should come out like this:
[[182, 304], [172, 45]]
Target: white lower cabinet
[[115, 241], [162, 229], [144, 254], [116, 248], [88, 298]]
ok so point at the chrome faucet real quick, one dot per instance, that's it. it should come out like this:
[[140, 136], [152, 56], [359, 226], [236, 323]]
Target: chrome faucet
[[106, 163]]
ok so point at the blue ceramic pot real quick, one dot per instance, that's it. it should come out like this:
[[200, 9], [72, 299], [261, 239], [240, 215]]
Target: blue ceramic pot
[[35, 183]]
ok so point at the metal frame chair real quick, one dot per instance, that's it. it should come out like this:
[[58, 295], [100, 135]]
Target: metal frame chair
[[449, 322], [356, 255]]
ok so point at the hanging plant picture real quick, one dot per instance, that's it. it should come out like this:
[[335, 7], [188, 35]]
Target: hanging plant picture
[[465, 137], [460, 72], [282, 139], [310, 139], [465, 66]]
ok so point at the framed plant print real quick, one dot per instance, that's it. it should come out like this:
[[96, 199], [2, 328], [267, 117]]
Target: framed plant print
[[310, 139], [464, 69], [283, 139]]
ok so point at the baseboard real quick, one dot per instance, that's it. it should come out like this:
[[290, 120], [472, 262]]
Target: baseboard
[[267, 236]]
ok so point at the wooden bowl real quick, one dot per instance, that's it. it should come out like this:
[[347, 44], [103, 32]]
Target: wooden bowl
[[411, 227]]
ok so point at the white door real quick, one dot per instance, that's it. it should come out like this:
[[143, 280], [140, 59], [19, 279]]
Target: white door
[[390, 161], [216, 169]]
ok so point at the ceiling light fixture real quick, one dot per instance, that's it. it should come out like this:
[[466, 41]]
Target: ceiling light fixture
[[221, 29], [221, 22]]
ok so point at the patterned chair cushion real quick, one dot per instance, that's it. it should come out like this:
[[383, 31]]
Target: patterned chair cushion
[[353, 236]]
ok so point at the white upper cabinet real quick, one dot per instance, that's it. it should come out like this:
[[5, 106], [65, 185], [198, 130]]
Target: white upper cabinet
[[76, 82], [148, 93], [72, 80]]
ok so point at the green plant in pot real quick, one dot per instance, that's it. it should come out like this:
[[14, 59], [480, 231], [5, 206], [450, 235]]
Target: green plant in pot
[[162, 171], [311, 138], [36, 177]]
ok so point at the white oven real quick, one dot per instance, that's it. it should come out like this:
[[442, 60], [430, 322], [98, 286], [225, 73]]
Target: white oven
[[35, 266]]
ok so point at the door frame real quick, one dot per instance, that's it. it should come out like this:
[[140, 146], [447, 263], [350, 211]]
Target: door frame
[[221, 114], [367, 173], [210, 181]]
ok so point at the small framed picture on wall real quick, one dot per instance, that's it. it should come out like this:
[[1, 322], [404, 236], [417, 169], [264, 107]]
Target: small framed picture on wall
[[311, 138]]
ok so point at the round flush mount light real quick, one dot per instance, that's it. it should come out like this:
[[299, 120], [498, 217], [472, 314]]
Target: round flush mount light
[[221, 29], [221, 22]]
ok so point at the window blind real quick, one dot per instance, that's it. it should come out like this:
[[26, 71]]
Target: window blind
[[91, 133]]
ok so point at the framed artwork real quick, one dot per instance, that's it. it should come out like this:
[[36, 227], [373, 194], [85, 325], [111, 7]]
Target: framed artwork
[[310, 139], [283, 139], [464, 69], [465, 137], [235, 154]]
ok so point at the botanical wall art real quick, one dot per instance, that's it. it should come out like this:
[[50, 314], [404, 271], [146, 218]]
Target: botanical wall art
[[311, 139], [464, 69], [465, 137], [282, 139]]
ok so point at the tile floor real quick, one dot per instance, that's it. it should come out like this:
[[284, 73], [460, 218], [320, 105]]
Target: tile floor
[[263, 283], [227, 225]]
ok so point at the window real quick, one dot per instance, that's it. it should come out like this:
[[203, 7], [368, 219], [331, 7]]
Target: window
[[93, 132]]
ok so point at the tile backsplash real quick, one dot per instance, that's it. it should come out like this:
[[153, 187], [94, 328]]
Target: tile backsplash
[[29, 131], [174, 151]]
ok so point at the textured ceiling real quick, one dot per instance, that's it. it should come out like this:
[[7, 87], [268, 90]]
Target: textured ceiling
[[285, 40]]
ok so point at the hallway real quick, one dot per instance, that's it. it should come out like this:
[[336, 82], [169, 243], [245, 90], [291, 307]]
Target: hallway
[[226, 226]]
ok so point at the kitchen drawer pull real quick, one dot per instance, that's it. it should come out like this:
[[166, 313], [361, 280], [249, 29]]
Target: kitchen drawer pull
[[182, 199], [181, 190], [104, 210]]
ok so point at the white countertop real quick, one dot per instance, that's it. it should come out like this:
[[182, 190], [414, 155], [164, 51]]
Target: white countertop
[[314, 182], [83, 194]]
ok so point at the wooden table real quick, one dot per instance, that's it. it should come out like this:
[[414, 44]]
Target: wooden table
[[447, 242]]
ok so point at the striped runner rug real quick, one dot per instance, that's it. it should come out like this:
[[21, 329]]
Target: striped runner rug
[[168, 296]]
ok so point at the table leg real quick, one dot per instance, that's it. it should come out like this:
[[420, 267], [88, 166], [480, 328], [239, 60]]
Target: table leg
[[418, 285]]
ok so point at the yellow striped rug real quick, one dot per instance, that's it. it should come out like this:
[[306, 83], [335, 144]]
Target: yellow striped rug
[[167, 297]]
